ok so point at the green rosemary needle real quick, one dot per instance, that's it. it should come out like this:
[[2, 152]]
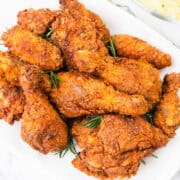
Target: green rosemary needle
[[70, 147], [111, 47], [93, 121], [54, 79], [47, 34]]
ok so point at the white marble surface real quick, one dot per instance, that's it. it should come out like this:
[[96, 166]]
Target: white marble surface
[[19, 162]]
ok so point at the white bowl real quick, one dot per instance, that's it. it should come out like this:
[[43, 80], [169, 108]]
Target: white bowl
[[167, 27]]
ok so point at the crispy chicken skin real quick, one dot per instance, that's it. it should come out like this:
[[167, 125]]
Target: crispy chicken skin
[[78, 12], [126, 75], [42, 128], [102, 31], [11, 102], [10, 68], [77, 29], [32, 49], [116, 147], [134, 77], [132, 47], [37, 21], [167, 116], [80, 94], [84, 51], [95, 162]]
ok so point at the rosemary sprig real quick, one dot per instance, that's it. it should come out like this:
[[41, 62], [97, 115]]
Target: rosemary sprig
[[111, 47], [144, 162], [93, 121], [150, 115], [153, 155], [54, 79], [47, 34], [70, 147]]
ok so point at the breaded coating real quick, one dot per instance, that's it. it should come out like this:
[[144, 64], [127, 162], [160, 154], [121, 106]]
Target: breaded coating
[[79, 13], [102, 31], [37, 21], [32, 49], [80, 94], [167, 116], [116, 147], [132, 47], [102, 165], [42, 128], [126, 75], [85, 51], [11, 102], [78, 29], [134, 77], [10, 68]]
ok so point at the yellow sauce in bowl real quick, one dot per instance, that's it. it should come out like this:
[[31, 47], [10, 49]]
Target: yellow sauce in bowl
[[167, 8]]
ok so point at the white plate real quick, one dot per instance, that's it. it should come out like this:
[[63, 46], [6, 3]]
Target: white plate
[[19, 162]]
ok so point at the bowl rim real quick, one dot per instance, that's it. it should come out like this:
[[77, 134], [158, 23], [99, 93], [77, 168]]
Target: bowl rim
[[157, 15]]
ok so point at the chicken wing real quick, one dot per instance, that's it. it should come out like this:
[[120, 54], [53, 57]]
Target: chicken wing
[[76, 34], [37, 21], [126, 75], [132, 47], [79, 94], [32, 49], [11, 102], [42, 128], [167, 116], [116, 147]]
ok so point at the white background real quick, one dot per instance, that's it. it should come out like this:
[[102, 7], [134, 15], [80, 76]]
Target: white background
[[19, 162]]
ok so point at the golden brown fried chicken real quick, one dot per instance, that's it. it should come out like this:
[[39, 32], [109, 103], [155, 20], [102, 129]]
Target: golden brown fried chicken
[[126, 75], [102, 31], [79, 13], [10, 68], [32, 49], [85, 51], [116, 147], [95, 162], [42, 128], [79, 94], [167, 116], [37, 21], [11, 102], [132, 47], [77, 29]]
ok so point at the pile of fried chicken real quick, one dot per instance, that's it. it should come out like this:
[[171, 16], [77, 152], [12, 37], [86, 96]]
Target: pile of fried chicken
[[70, 42]]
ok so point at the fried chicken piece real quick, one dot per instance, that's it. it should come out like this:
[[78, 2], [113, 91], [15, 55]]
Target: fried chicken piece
[[77, 28], [37, 21], [84, 51], [32, 49], [95, 162], [11, 102], [167, 116], [79, 13], [116, 147], [80, 94], [126, 75], [10, 68], [102, 31], [119, 134], [42, 128], [132, 47]]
